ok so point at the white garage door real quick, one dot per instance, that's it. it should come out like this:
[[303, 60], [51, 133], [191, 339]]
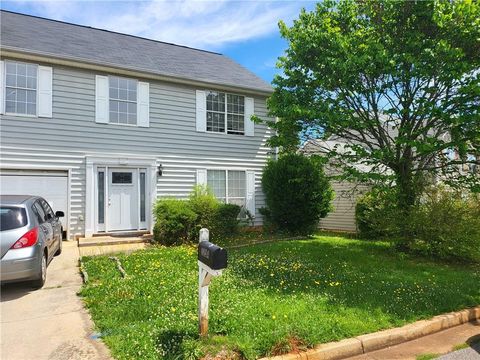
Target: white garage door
[[51, 185]]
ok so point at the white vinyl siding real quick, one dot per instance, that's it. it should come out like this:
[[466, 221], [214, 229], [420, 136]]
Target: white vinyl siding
[[342, 217]]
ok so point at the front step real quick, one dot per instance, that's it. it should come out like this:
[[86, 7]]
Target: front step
[[132, 233], [111, 240]]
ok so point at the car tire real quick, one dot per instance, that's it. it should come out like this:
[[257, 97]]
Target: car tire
[[40, 281], [59, 250]]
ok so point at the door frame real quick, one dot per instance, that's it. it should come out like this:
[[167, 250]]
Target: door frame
[[93, 163]]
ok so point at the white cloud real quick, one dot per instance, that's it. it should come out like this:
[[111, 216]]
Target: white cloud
[[202, 24]]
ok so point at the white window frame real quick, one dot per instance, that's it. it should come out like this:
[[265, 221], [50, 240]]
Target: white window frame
[[224, 113], [4, 84], [121, 100], [227, 197]]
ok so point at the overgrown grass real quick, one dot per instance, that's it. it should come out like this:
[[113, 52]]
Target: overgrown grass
[[272, 298]]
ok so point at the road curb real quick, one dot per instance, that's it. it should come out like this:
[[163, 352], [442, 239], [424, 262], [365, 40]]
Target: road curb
[[382, 339]]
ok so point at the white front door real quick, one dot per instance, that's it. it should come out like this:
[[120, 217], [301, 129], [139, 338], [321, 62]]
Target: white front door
[[123, 202]]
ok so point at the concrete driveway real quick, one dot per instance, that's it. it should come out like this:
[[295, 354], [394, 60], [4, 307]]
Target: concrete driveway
[[50, 323]]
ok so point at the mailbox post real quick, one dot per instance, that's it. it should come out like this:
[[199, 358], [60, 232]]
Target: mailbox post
[[212, 259]]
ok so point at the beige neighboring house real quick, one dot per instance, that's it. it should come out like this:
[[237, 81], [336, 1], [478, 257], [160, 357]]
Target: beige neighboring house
[[342, 217]]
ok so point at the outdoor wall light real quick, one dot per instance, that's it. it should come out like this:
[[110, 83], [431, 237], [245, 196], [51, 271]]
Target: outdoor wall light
[[160, 170]]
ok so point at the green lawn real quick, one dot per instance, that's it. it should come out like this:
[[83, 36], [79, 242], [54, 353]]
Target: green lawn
[[271, 298]]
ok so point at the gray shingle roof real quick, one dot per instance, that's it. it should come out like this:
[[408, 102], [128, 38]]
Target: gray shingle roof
[[63, 40]]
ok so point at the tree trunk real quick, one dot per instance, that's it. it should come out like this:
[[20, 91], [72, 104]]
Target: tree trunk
[[407, 193]]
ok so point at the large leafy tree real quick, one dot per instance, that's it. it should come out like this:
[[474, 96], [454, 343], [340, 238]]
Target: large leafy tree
[[396, 81]]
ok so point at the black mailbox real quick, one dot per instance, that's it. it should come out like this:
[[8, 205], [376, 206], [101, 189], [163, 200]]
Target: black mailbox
[[212, 255]]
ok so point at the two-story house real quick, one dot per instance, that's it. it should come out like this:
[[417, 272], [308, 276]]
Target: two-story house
[[101, 123]]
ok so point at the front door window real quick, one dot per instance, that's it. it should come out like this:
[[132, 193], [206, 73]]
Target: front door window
[[142, 197], [101, 197], [124, 177]]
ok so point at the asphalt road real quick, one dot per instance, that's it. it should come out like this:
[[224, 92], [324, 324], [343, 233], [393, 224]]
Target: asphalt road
[[470, 353]]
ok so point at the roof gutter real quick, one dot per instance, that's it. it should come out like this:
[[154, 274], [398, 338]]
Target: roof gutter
[[102, 66]]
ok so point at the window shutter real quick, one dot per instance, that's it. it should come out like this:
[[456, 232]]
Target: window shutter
[[101, 99], [250, 201], [143, 104], [2, 87], [44, 91], [249, 111], [201, 177], [201, 111]]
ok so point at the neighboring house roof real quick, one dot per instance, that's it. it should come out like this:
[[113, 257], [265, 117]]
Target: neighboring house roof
[[319, 146], [40, 36]]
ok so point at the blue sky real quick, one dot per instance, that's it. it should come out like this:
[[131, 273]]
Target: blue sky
[[246, 31]]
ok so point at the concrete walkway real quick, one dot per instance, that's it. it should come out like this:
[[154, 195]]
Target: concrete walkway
[[49, 323], [441, 342]]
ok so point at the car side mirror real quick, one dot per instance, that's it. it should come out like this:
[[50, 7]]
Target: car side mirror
[[59, 214]]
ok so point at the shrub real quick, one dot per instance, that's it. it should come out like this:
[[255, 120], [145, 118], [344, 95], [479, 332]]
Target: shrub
[[205, 205], [174, 221], [297, 193], [375, 214], [179, 221], [226, 220], [447, 225]]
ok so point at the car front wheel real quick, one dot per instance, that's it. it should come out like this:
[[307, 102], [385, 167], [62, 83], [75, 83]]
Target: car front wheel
[[40, 281]]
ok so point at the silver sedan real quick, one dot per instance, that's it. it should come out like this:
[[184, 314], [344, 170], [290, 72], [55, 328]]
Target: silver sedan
[[30, 236]]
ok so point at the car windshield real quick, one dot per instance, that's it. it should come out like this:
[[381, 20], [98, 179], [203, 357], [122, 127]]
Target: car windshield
[[12, 218]]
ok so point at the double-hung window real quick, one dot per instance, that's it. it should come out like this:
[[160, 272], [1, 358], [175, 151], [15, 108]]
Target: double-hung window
[[20, 88], [123, 100], [228, 186], [26, 89], [225, 113]]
